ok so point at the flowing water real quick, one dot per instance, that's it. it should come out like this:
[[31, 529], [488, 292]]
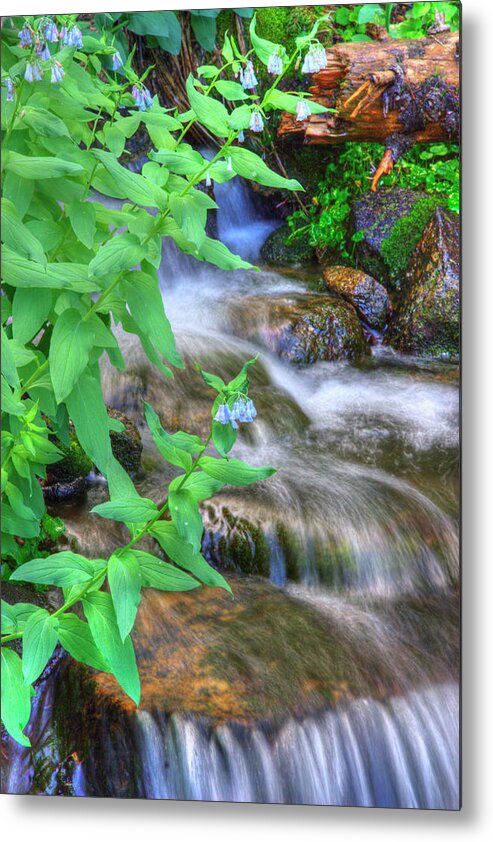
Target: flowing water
[[360, 526]]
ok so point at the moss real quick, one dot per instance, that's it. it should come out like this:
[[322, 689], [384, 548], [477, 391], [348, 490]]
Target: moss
[[75, 464], [404, 236], [51, 531]]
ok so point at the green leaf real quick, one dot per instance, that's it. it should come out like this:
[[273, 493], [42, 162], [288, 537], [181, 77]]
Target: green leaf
[[231, 90], [20, 272], [38, 643], [263, 48], [124, 582], [71, 342], [223, 437], [100, 613], [182, 554], [32, 167], [212, 380], [204, 30], [198, 484], [164, 441], [44, 122], [368, 12], [145, 301], [213, 251], [120, 253], [288, 102], [82, 217], [186, 517], [30, 310], [183, 161], [61, 569], [135, 510], [15, 617], [156, 573], [234, 471], [249, 165], [190, 216], [76, 638], [130, 184], [17, 236], [16, 696], [210, 112]]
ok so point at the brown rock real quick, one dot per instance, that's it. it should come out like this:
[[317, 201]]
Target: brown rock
[[365, 293]]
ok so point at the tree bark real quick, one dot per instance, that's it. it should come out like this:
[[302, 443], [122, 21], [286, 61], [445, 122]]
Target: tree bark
[[360, 80]]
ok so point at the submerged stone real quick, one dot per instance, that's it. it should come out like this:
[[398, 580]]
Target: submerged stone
[[428, 320], [365, 293], [303, 328]]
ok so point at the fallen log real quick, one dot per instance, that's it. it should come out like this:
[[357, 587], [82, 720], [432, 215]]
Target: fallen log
[[404, 90]]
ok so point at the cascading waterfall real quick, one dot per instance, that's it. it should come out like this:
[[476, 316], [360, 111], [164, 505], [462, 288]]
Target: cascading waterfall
[[363, 514]]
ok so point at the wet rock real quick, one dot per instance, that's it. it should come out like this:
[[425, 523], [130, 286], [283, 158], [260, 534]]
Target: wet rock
[[73, 466], [303, 328], [365, 293], [390, 223], [63, 492], [127, 443], [428, 320], [277, 252]]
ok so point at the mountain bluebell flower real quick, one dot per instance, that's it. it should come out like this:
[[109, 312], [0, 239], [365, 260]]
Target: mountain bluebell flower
[[223, 414], [274, 65], [256, 122], [10, 90], [302, 111], [116, 61], [25, 36], [63, 34], [208, 181], [320, 57], [147, 97], [29, 72], [72, 37], [230, 164], [241, 137], [57, 73], [45, 54], [309, 64], [51, 32], [248, 78]]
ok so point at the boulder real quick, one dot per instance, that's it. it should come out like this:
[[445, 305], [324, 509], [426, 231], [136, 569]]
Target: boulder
[[277, 252], [428, 320], [389, 224], [365, 293], [303, 328]]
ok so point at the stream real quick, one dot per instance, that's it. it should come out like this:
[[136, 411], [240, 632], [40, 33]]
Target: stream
[[354, 541]]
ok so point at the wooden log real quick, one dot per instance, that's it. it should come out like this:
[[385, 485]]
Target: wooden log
[[355, 83]]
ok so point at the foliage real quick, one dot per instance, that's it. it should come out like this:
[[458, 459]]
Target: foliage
[[398, 247], [431, 167], [74, 270], [350, 22]]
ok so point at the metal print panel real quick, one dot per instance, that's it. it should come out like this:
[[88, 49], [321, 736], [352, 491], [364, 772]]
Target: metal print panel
[[230, 251]]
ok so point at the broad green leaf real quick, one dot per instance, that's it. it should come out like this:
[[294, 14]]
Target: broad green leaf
[[32, 167], [20, 272], [9, 368], [184, 160], [124, 582], [82, 217], [61, 569], [212, 380], [204, 30], [224, 437], [145, 301], [44, 122], [186, 517], [120, 253], [190, 216], [164, 441], [17, 236], [71, 342], [30, 310], [198, 484], [263, 48], [183, 555], [100, 613], [76, 638], [210, 112], [231, 90], [288, 102], [156, 573], [38, 643], [19, 191], [251, 166], [234, 471], [15, 617], [135, 510], [16, 696], [132, 185], [213, 251]]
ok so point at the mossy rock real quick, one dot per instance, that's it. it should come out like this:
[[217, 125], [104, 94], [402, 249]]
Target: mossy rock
[[74, 465], [303, 328], [390, 223], [126, 444], [428, 319], [278, 252], [365, 293]]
